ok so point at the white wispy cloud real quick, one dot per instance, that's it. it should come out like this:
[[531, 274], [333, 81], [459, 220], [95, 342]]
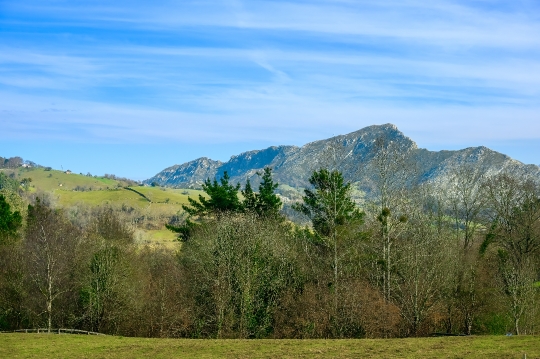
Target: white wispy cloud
[[271, 71]]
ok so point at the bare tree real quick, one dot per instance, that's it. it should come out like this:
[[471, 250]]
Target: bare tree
[[392, 165], [466, 201], [49, 246], [514, 228], [106, 280], [14, 162], [421, 261]]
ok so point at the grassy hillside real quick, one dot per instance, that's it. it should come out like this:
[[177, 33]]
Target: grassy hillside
[[68, 198], [79, 346], [167, 195], [154, 204], [52, 180]]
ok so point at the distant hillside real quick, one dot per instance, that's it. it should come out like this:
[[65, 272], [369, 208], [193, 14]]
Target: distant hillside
[[147, 208], [353, 154]]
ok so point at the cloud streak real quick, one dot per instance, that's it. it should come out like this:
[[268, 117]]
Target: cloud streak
[[289, 72]]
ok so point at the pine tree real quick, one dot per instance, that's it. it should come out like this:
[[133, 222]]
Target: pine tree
[[335, 218], [329, 204], [10, 221], [250, 198], [223, 197], [268, 202]]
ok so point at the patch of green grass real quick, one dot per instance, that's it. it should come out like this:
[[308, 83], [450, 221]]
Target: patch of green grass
[[98, 191], [168, 198], [122, 196], [162, 237], [81, 346], [174, 196], [51, 180], [68, 198]]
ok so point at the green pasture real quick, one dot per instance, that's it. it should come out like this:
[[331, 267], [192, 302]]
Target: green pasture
[[156, 204], [160, 237], [120, 196], [171, 198], [168, 195], [51, 180], [84, 346]]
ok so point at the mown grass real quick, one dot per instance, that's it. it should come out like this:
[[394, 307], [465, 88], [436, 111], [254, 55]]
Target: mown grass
[[80, 346]]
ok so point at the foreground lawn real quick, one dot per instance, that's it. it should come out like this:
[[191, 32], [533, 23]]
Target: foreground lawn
[[81, 346]]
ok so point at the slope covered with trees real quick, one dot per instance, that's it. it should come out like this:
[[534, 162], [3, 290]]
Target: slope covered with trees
[[413, 259]]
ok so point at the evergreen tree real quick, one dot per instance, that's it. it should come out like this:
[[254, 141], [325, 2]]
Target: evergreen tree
[[223, 197], [336, 220], [250, 198], [266, 202], [10, 221], [8, 183], [329, 204]]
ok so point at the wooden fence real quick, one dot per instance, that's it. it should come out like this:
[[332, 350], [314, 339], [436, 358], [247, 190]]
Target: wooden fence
[[54, 331]]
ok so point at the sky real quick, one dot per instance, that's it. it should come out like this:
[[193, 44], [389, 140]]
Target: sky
[[132, 87]]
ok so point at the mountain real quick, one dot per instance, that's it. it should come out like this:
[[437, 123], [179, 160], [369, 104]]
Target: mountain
[[352, 153]]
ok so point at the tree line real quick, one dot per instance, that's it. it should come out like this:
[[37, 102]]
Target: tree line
[[417, 258], [11, 162]]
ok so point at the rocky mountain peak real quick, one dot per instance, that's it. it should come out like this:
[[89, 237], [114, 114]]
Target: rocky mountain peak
[[354, 152]]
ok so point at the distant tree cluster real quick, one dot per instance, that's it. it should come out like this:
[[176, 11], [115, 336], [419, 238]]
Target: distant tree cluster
[[16, 162], [12, 162], [414, 260], [125, 182], [8, 182]]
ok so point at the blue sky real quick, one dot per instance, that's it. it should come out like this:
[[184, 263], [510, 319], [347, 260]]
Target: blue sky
[[132, 87]]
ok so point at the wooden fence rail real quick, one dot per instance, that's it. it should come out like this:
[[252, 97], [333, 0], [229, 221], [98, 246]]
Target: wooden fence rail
[[54, 331]]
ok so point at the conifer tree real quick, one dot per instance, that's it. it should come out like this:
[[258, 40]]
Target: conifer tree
[[222, 198], [10, 221], [250, 197], [335, 218], [266, 202], [329, 204]]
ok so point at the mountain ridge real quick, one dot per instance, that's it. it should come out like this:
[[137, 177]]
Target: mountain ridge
[[292, 165]]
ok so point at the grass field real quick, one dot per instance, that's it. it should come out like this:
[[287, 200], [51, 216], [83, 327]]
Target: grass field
[[51, 180], [82, 346], [168, 195], [161, 237], [159, 204], [100, 191], [120, 196]]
